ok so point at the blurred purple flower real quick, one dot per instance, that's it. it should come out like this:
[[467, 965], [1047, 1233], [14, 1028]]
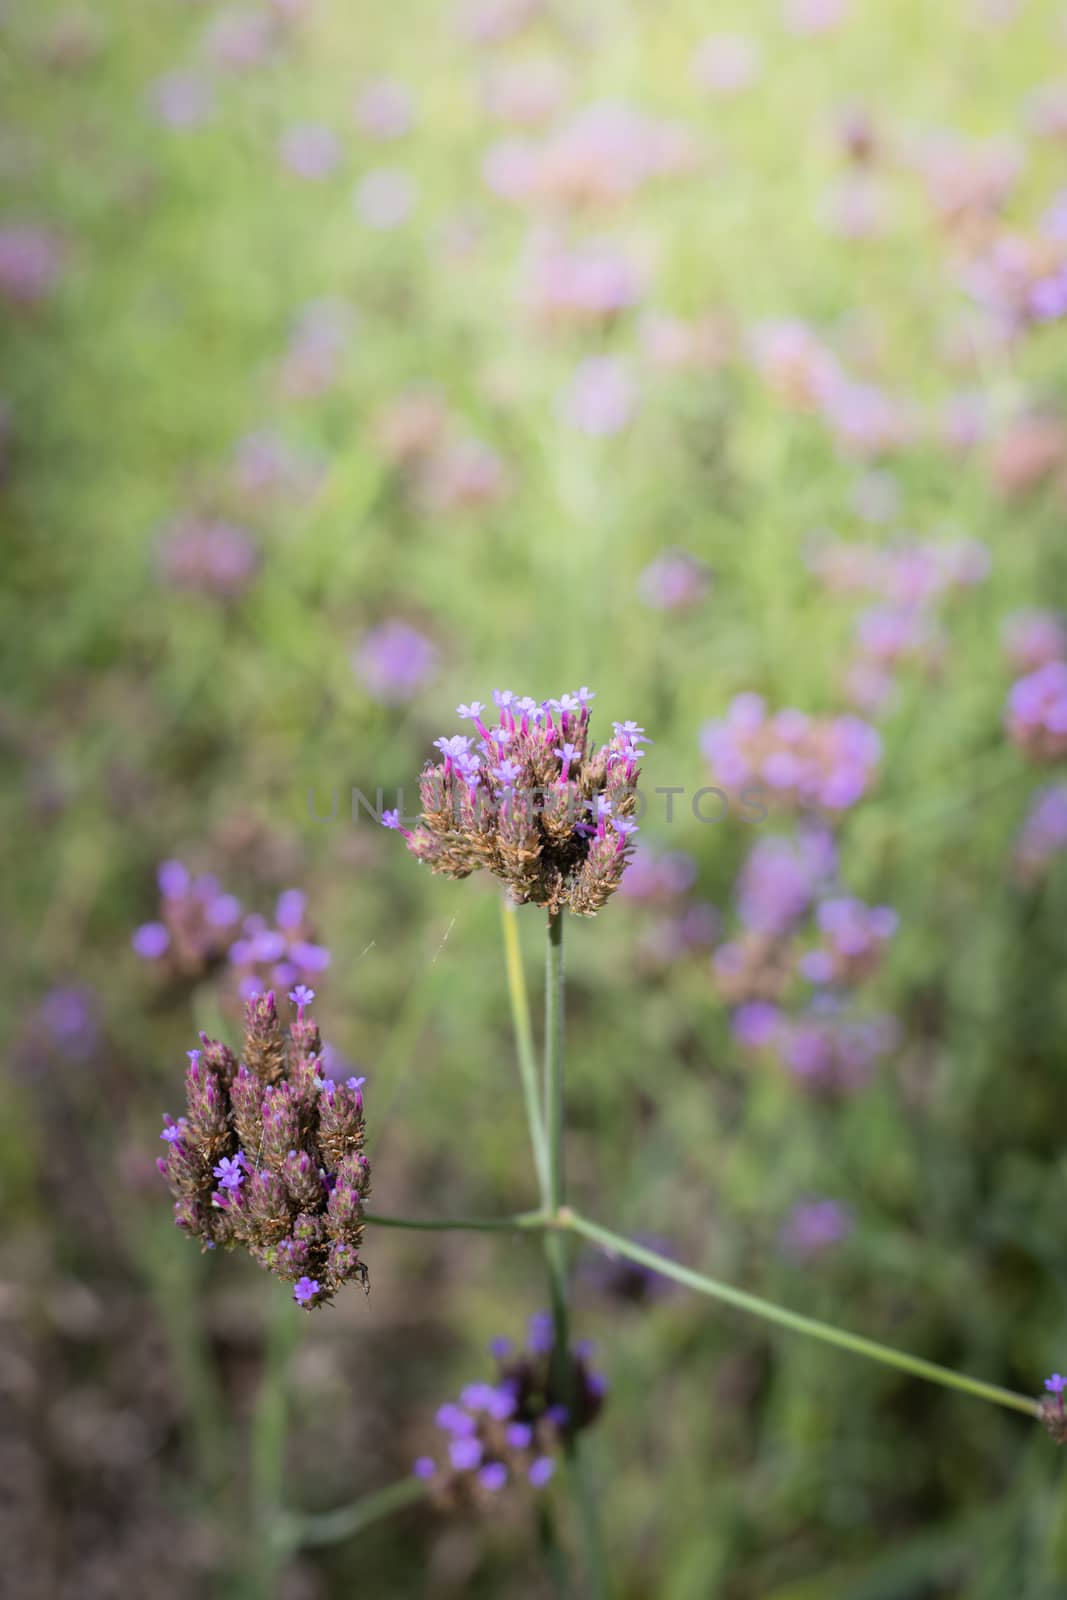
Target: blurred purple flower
[[394, 661], [602, 397], [31, 260], [310, 151], [208, 557]]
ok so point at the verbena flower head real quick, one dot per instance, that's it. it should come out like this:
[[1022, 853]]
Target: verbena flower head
[[533, 801], [511, 1431], [270, 1153]]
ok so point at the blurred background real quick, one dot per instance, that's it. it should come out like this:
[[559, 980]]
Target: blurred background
[[359, 361]]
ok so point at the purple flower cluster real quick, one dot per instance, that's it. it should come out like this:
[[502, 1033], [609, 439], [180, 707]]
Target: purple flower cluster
[[394, 661], [602, 157], [1033, 638], [675, 581], [801, 943], [825, 1048], [533, 801], [446, 468], [196, 921], [814, 1226], [1036, 712], [282, 954], [207, 556], [510, 1431], [809, 763], [197, 924], [1043, 835], [269, 1153]]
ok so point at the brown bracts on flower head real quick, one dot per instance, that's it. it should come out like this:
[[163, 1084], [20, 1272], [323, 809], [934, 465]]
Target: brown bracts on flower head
[[532, 801], [270, 1154]]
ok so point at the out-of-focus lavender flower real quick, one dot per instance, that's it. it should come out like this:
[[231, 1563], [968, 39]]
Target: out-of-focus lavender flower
[[780, 879], [394, 661], [510, 1430], [905, 575], [814, 16], [794, 361], [755, 1024], [207, 557], [969, 180], [284, 955], [965, 420], [813, 1226], [602, 397], [312, 362], [31, 262], [854, 937], [603, 156], [385, 109], [385, 198], [196, 924], [865, 420], [1036, 713], [464, 474], [493, 21], [310, 151], [411, 428], [855, 207], [675, 581], [267, 464], [1043, 835], [182, 100], [240, 39], [825, 763], [1028, 452], [658, 877], [577, 286], [70, 1020], [525, 93], [889, 635], [826, 1050], [1033, 638], [675, 344], [726, 63], [151, 941], [1046, 110]]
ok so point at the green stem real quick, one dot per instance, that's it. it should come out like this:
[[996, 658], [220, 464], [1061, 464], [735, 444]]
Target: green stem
[[554, 1060], [555, 1247], [615, 1244], [523, 1220], [270, 1427], [524, 1044], [332, 1527]]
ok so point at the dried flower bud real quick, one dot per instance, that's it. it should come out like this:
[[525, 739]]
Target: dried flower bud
[[269, 1155]]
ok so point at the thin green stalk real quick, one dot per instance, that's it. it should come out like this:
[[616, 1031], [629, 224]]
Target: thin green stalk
[[555, 1247], [554, 1060], [270, 1427], [523, 1220], [615, 1244], [333, 1527], [524, 1044]]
